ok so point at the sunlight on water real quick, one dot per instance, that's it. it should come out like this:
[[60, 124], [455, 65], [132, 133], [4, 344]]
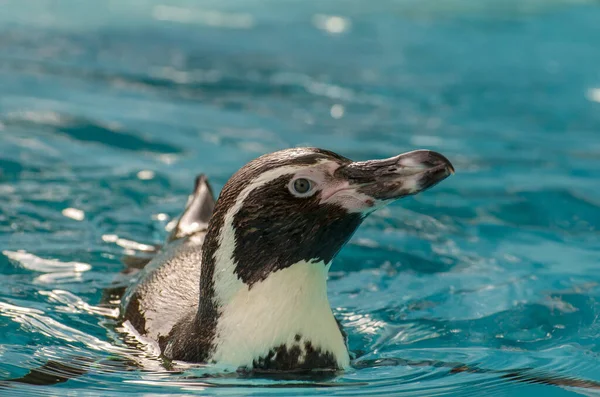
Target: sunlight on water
[[32, 262]]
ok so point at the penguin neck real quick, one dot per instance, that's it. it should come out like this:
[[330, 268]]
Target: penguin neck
[[242, 318], [287, 313]]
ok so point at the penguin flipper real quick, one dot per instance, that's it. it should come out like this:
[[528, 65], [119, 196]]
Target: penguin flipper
[[194, 218], [198, 211]]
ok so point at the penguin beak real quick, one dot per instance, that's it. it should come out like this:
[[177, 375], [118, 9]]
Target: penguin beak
[[377, 182]]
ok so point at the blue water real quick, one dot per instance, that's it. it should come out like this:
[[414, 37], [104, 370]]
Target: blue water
[[108, 109]]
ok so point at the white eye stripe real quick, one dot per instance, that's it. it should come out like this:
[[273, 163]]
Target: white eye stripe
[[226, 281]]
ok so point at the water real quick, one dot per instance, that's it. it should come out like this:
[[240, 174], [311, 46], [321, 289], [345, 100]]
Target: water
[[108, 109]]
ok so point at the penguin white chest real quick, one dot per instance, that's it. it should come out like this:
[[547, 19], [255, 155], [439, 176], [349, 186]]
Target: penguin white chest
[[287, 315]]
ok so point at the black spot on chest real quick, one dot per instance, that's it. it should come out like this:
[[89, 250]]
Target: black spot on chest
[[298, 356]]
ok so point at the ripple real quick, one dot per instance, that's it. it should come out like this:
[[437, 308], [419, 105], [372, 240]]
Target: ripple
[[54, 270], [550, 209], [84, 130], [74, 304], [11, 170], [129, 245], [34, 320], [485, 285], [32, 262], [206, 17]]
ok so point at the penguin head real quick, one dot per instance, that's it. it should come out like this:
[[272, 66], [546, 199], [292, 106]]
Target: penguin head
[[303, 205]]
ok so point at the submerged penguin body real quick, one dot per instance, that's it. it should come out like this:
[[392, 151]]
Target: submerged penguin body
[[242, 281], [167, 289]]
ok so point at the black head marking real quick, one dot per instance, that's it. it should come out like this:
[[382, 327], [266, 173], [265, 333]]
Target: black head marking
[[230, 193], [259, 216], [274, 230]]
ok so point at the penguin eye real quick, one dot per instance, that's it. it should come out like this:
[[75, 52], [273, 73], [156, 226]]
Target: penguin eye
[[301, 187]]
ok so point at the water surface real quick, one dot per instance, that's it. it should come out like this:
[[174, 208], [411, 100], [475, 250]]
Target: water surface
[[108, 110]]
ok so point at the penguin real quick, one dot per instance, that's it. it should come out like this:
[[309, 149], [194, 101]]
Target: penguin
[[241, 281]]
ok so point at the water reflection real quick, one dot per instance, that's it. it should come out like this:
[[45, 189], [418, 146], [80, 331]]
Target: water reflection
[[213, 18]]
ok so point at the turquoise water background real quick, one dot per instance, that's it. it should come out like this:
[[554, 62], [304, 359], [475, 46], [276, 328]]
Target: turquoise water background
[[108, 110]]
